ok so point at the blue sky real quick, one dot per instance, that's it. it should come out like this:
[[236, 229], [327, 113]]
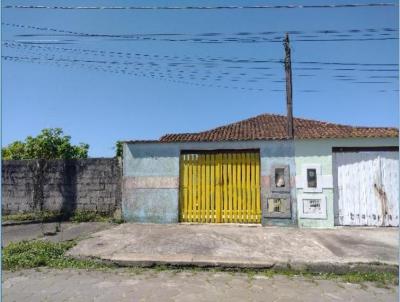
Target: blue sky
[[100, 107]]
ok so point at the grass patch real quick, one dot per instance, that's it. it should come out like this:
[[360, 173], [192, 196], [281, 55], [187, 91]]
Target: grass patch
[[382, 278], [43, 216], [78, 216], [32, 254], [379, 278], [86, 216], [250, 273]]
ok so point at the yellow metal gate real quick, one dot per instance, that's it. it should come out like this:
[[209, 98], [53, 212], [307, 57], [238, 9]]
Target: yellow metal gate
[[220, 187]]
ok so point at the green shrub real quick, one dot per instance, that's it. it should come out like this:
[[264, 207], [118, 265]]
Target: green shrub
[[20, 217], [41, 216], [87, 216], [78, 216], [82, 216]]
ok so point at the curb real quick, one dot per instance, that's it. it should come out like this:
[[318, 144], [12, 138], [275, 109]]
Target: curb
[[317, 267]]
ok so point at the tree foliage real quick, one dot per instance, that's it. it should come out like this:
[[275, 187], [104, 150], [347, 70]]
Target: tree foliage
[[14, 150], [51, 143], [118, 149]]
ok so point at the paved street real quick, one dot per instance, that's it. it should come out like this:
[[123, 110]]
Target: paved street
[[151, 285]]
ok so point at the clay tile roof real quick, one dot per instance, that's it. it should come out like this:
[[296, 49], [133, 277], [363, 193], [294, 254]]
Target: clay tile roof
[[273, 127]]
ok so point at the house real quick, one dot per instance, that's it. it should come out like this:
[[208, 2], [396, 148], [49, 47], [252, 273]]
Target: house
[[252, 171]]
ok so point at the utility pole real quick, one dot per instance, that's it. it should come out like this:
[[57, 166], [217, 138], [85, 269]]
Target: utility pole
[[289, 102]]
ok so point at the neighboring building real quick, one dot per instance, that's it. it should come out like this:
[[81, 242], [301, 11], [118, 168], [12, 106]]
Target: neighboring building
[[252, 172]]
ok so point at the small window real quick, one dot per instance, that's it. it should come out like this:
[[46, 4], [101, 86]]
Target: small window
[[312, 178], [275, 205], [280, 177]]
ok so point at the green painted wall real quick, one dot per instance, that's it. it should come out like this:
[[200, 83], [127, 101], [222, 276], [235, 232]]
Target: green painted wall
[[320, 152]]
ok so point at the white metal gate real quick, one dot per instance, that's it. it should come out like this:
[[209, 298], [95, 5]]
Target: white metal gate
[[366, 188]]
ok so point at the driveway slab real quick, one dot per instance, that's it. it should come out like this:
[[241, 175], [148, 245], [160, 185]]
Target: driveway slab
[[244, 246]]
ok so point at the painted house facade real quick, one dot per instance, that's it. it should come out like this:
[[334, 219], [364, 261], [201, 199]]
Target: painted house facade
[[253, 172]]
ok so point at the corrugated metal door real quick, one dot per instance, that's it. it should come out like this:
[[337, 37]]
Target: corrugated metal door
[[220, 187], [367, 188]]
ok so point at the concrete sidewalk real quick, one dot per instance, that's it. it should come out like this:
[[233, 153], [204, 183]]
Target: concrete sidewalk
[[51, 231], [340, 249]]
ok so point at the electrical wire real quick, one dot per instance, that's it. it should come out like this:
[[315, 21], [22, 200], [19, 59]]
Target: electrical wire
[[196, 74], [65, 63], [204, 60], [112, 68], [295, 6], [385, 30]]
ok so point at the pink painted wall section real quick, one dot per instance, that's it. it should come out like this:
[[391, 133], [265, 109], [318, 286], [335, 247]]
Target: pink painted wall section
[[265, 180], [151, 182]]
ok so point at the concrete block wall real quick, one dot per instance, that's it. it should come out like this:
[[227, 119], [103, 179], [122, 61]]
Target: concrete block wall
[[151, 176], [92, 184], [17, 186]]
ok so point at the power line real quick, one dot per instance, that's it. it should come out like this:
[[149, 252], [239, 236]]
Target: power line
[[217, 38], [201, 59], [249, 40], [295, 6], [185, 61], [151, 68], [196, 73], [67, 62], [372, 82], [112, 67], [252, 40], [353, 31], [208, 62], [344, 40]]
